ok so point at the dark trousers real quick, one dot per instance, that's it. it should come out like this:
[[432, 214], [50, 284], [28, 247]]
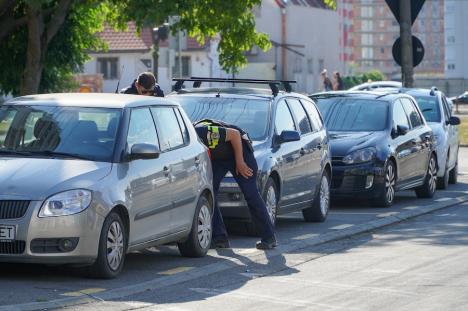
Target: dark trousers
[[257, 208]]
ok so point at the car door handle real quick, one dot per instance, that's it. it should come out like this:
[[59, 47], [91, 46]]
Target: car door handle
[[197, 161], [166, 170], [319, 146], [303, 151]]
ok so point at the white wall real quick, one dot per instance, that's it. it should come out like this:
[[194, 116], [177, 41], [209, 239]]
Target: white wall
[[456, 26], [130, 67]]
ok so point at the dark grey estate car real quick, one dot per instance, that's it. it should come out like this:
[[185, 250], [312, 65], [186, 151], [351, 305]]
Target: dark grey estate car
[[290, 143], [86, 178]]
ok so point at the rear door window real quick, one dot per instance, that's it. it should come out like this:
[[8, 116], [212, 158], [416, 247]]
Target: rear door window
[[283, 118], [170, 135], [141, 129], [301, 116], [414, 116], [314, 115], [399, 115]]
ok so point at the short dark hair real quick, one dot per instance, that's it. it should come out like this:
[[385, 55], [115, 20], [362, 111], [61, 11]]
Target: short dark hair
[[146, 80]]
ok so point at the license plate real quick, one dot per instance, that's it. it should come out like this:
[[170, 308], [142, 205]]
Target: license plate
[[7, 233]]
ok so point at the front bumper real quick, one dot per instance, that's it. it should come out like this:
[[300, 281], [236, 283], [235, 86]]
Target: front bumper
[[358, 180], [85, 228]]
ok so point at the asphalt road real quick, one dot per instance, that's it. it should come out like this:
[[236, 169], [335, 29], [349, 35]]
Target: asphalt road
[[31, 287]]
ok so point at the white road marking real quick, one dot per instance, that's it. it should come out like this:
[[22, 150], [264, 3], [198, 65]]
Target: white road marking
[[443, 199], [344, 226], [305, 236], [387, 214], [175, 270], [83, 292]]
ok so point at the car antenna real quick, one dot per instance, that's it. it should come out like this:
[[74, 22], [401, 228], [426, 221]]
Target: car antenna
[[118, 82]]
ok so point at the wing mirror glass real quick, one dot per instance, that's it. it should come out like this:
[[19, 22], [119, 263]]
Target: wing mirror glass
[[144, 152]]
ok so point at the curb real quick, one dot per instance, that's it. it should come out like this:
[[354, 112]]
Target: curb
[[232, 262]]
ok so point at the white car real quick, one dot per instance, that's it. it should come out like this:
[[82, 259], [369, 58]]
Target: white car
[[438, 113], [377, 85]]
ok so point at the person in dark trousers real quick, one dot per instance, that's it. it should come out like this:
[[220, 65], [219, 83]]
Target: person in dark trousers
[[338, 84], [145, 84], [327, 84], [231, 151]]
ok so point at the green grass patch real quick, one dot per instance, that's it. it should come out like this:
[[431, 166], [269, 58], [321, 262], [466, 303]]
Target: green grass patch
[[464, 130]]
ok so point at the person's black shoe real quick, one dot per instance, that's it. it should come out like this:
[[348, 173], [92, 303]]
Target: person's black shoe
[[221, 244], [267, 244]]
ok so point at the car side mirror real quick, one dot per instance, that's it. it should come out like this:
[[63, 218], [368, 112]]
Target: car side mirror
[[144, 152], [402, 130], [287, 136], [454, 121]]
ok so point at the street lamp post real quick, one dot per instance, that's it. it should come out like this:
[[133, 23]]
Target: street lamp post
[[159, 33]]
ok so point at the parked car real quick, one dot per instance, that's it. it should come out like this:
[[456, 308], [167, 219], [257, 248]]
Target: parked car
[[290, 143], [380, 144], [377, 85], [461, 99], [86, 178], [438, 114]]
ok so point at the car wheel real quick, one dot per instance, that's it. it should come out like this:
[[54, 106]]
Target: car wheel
[[387, 195], [199, 240], [112, 248], [270, 197], [453, 175], [319, 210], [428, 189], [442, 182]]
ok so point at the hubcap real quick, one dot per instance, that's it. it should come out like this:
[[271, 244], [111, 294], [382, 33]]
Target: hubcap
[[324, 195], [390, 183], [115, 245], [432, 175], [204, 227], [271, 203]]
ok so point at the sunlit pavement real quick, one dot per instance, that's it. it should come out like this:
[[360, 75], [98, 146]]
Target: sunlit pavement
[[32, 287]]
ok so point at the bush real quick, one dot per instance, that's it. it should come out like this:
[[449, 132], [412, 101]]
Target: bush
[[373, 75]]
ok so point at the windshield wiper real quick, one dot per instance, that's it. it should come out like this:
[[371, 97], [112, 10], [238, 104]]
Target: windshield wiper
[[60, 154], [15, 152]]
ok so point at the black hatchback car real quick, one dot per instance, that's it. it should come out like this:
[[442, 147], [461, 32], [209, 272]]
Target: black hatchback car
[[380, 144], [290, 144]]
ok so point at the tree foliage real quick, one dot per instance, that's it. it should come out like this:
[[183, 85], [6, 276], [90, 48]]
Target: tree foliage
[[42, 42], [373, 75]]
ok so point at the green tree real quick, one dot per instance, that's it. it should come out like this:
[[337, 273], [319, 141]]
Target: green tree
[[43, 41]]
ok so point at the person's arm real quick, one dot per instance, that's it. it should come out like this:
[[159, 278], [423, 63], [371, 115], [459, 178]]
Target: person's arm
[[233, 136]]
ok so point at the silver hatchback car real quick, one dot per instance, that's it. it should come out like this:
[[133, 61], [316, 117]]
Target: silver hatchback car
[[87, 178]]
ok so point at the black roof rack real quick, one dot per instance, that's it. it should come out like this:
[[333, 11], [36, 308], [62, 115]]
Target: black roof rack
[[274, 84]]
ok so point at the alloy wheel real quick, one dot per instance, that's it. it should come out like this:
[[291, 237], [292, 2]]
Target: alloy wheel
[[271, 203], [432, 174], [390, 183], [324, 195], [204, 226], [115, 245]]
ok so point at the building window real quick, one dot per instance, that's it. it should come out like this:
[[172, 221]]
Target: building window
[[367, 53], [367, 25], [382, 50], [298, 65], [366, 11], [186, 68], [321, 64], [366, 39], [381, 37], [451, 66], [451, 39], [382, 24], [108, 67], [310, 65]]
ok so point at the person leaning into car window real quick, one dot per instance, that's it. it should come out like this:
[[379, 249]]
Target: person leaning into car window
[[231, 150], [145, 84]]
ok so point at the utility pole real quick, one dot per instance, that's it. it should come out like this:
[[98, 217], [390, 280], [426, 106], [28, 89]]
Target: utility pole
[[406, 44]]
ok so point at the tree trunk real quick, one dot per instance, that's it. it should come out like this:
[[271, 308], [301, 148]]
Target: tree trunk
[[34, 55]]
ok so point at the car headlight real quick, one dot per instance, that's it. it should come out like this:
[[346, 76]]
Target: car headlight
[[66, 203], [360, 156]]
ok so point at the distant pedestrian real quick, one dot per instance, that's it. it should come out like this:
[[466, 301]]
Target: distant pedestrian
[[338, 84], [145, 84], [327, 84]]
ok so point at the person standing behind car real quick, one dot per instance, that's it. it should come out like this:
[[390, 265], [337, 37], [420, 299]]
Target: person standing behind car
[[338, 85], [145, 84], [327, 85], [231, 151]]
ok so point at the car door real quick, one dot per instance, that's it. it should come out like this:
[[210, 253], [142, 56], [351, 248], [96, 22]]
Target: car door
[[288, 156], [309, 162], [420, 140], [402, 144], [452, 133], [183, 170], [149, 188]]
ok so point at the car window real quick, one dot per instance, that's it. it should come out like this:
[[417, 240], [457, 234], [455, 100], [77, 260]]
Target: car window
[[170, 135], [141, 129], [183, 126], [413, 113], [429, 107], [314, 115], [399, 115], [6, 120], [301, 116], [283, 118]]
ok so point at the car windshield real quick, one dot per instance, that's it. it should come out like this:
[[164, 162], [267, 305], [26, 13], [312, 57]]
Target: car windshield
[[429, 107], [353, 114], [68, 132], [251, 115]]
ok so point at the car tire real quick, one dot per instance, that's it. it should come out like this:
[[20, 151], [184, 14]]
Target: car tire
[[199, 240], [270, 197], [442, 182], [113, 238], [318, 212], [453, 175], [387, 195], [428, 189]]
